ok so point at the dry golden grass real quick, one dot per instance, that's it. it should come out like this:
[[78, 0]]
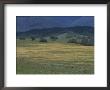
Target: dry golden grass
[[54, 53]]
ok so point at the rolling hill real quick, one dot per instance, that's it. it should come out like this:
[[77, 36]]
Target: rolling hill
[[78, 33], [82, 30]]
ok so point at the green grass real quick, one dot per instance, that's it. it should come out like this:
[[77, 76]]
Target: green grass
[[53, 58]]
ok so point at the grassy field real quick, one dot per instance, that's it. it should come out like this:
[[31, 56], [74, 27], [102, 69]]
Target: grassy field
[[53, 58]]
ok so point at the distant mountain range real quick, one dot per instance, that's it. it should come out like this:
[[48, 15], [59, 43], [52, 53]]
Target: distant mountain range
[[46, 32], [76, 29], [26, 23]]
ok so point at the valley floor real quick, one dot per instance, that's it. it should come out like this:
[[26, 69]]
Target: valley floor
[[53, 58]]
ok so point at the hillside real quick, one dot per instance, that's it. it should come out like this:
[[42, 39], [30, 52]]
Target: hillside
[[78, 33]]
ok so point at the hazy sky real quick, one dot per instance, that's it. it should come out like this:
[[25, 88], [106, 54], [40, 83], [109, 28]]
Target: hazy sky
[[24, 23]]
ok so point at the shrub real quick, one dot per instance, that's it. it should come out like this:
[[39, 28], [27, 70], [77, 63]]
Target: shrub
[[53, 38], [32, 38], [87, 42], [22, 38], [43, 40], [72, 41]]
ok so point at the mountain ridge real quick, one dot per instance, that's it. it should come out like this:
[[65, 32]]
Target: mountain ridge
[[59, 30], [25, 23]]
